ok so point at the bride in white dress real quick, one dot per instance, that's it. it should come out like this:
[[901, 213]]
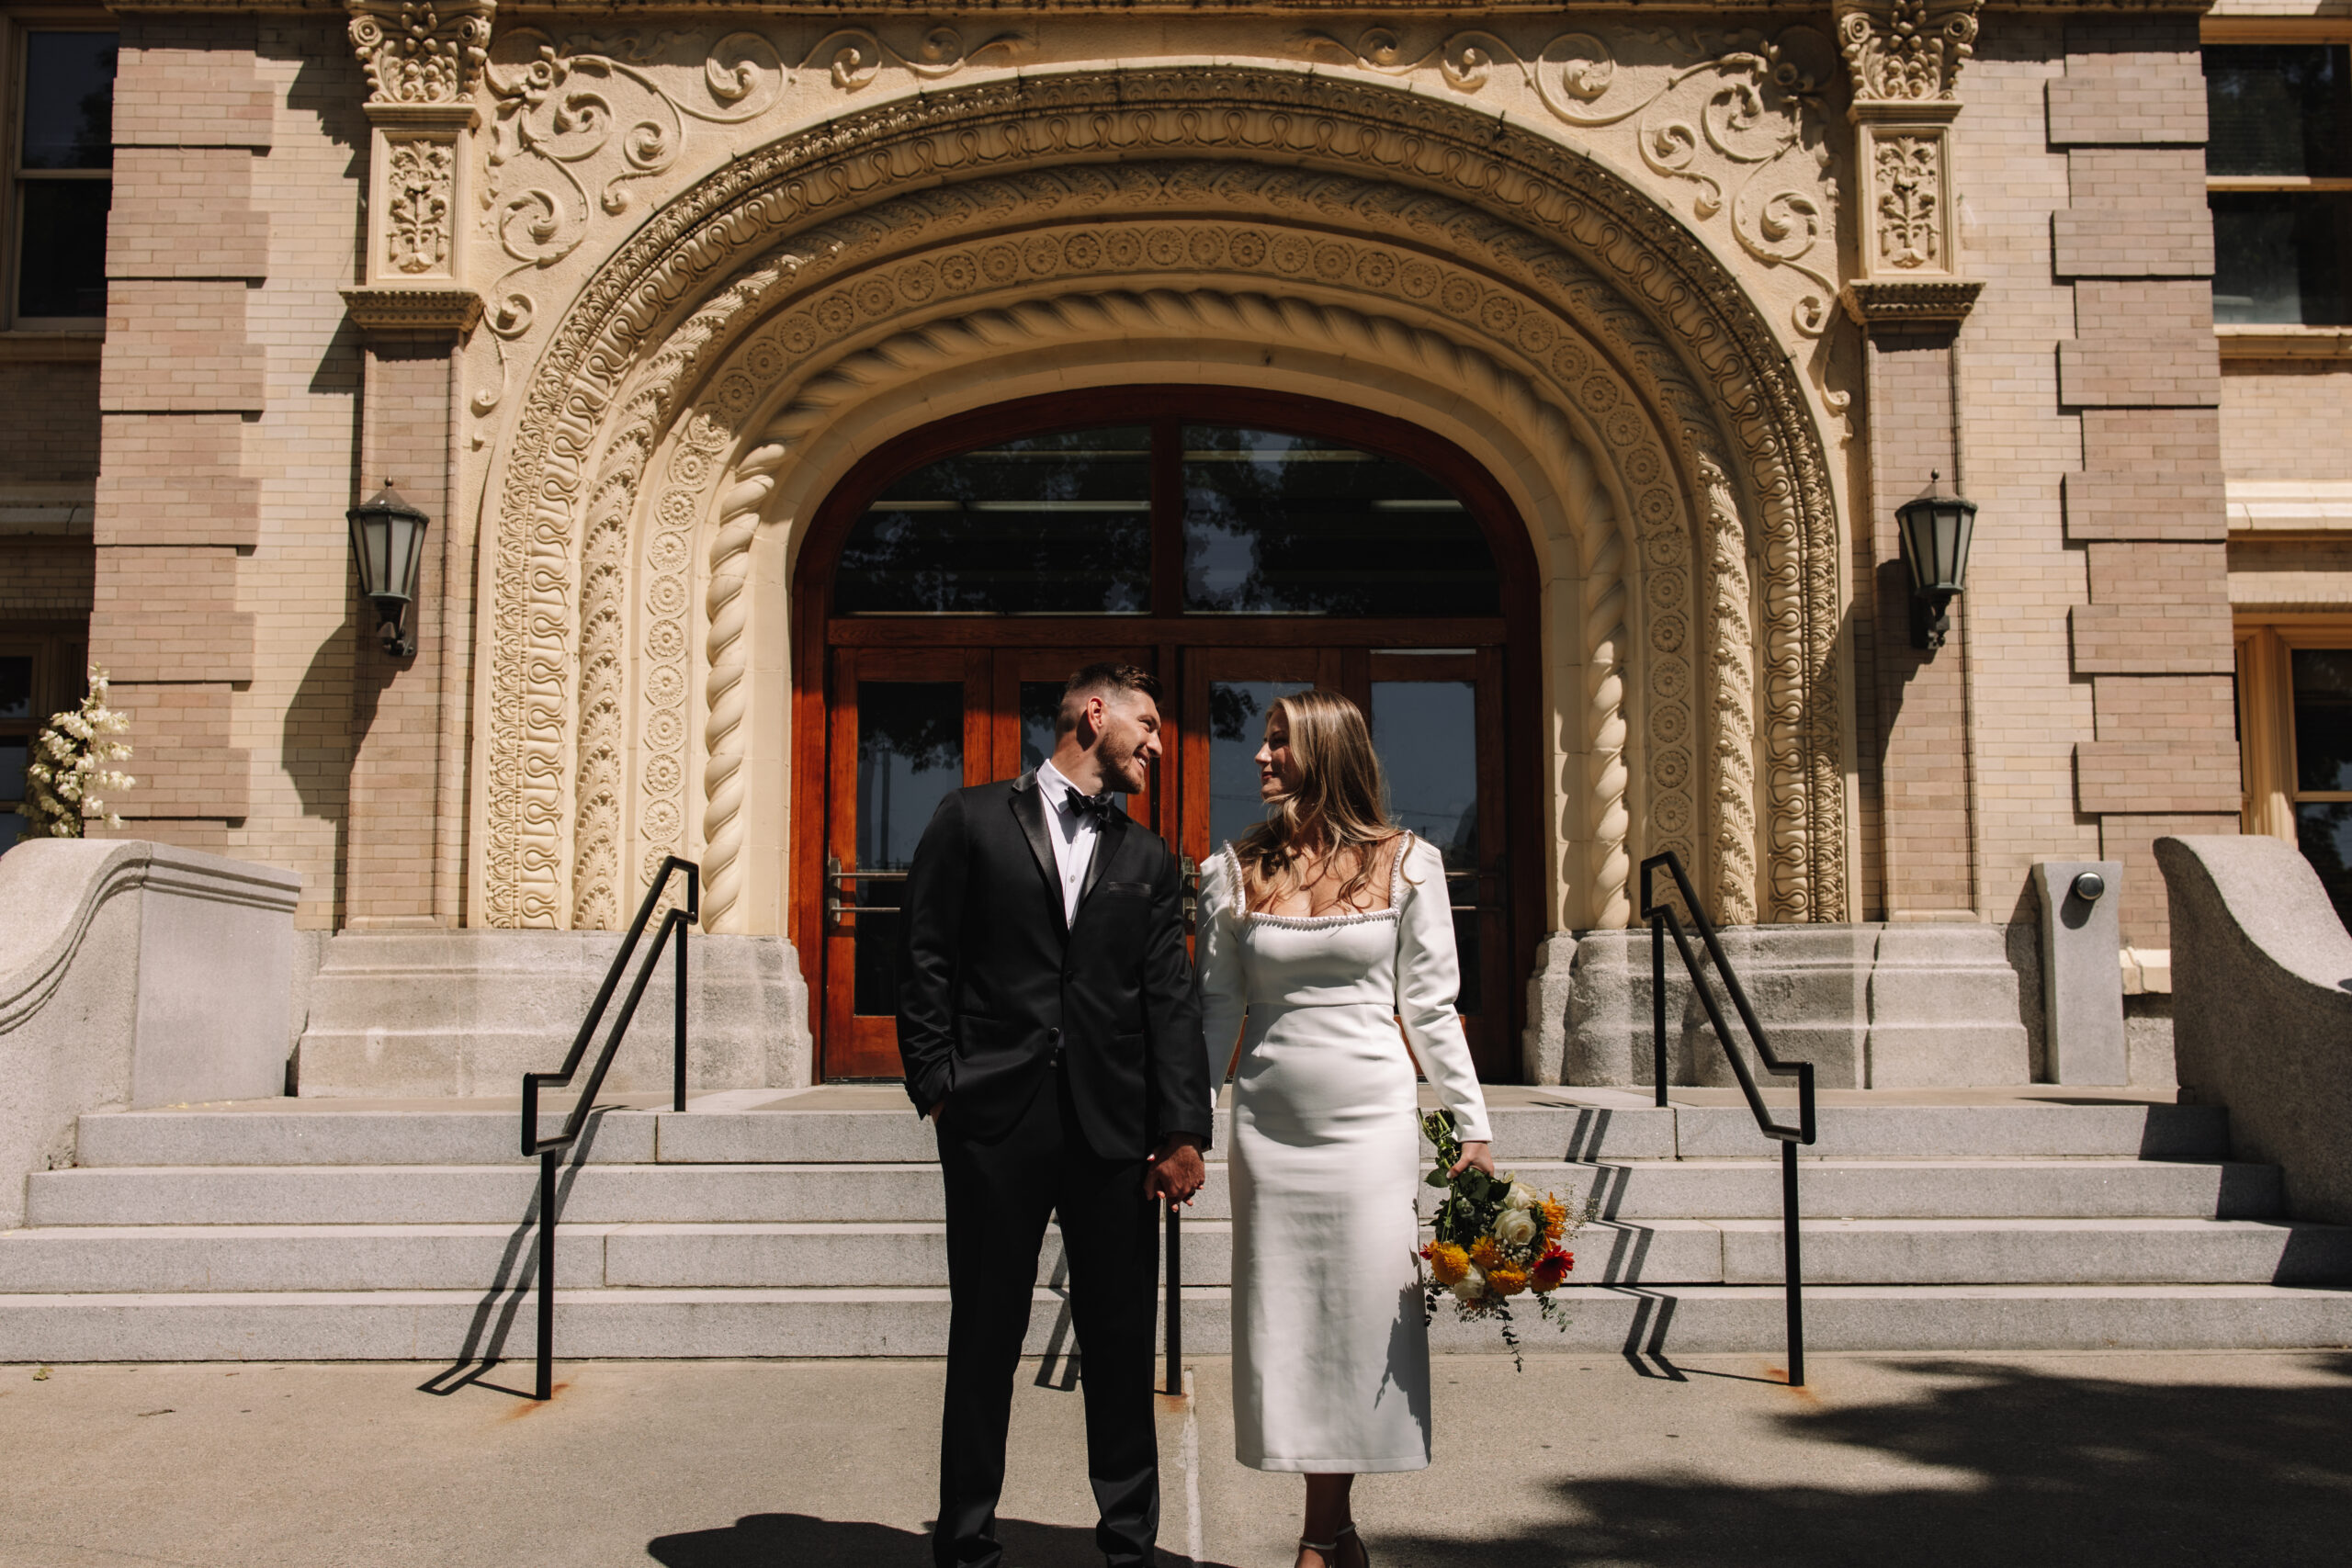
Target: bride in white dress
[[1327, 926]]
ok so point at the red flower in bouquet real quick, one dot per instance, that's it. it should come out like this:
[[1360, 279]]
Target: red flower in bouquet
[[1551, 1268]]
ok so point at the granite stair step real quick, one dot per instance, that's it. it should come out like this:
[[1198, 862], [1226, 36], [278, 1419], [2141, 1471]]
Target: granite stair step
[[1650, 1322], [306, 1133], [592, 1193]]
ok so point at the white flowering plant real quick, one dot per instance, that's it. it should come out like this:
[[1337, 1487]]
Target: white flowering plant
[[73, 760], [1495, 1238]]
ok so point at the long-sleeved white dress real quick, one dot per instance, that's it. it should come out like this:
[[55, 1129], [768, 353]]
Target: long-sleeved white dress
[[1330, 1358]]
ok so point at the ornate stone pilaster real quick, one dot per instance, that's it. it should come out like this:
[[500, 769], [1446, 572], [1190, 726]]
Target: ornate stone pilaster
[[423, 59], [1920, 830], [1905, 58]]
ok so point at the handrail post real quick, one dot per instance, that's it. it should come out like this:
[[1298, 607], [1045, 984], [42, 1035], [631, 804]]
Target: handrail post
[[545, 1388], [1175, 1300], [1791, 1263], [678, 1029], [1658, 1004]]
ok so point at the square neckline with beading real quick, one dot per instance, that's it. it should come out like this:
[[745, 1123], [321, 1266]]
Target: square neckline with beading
[[1317, 922]]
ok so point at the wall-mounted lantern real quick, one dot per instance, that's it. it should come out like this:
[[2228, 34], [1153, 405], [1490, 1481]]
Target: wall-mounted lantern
[[1936, 529], [388, 536]]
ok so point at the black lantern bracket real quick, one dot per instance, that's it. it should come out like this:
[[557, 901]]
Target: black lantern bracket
[[1936, 531], [388, 538]]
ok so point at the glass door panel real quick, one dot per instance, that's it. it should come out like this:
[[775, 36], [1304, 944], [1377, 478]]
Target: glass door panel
[[908, 728], [1029, 684], [1227, 694], [1434, 720]]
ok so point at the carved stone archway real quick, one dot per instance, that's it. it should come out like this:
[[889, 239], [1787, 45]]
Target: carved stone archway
[[1496, 278]]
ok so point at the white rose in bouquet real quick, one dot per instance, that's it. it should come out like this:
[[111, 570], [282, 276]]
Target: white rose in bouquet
[[1515, 1227], [1471, 1286], [1521, 1196]]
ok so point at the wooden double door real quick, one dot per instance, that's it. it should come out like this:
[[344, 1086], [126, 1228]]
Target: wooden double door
[[904, 725]]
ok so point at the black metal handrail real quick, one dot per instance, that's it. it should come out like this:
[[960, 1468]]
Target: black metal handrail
[[1663, 920], [675, 921]]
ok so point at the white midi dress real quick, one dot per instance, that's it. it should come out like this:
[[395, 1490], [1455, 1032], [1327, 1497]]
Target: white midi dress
[[1330, 1357]]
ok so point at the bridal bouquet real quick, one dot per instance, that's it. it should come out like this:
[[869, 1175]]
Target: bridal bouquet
[[1496, 1239]]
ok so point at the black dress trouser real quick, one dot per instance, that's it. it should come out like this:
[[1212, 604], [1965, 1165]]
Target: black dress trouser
[[1000, 1194]]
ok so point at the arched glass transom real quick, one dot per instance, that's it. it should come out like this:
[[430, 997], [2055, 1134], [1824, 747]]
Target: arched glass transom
[[1220, 520]]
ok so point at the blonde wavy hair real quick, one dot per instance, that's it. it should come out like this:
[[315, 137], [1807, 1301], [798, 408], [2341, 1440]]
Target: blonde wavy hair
[[1342, 801]]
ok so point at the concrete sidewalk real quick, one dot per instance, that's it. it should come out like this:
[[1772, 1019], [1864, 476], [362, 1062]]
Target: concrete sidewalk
[[2081, 1459]]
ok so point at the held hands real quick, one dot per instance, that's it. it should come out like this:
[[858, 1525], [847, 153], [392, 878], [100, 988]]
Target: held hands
[[1177, 1172], [1479, 1154]]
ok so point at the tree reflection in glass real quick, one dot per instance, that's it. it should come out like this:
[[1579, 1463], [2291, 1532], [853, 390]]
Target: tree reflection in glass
[[1291, 525], [910, 756], [1056, 525]]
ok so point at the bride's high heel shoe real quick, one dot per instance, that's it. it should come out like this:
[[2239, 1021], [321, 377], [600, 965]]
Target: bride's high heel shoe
[[1329, 1550]]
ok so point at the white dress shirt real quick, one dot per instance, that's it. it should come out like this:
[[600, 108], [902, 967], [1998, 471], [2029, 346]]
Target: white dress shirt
[[1074, 833]]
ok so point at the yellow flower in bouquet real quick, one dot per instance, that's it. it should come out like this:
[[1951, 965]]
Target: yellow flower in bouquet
[[1447, 1262], [1497, 1238]]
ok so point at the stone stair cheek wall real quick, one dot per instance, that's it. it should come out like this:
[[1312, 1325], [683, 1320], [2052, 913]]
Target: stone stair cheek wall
[[133, 973], [2262, 999]]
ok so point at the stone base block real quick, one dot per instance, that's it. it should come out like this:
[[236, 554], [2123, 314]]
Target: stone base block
[[399, 1014], [1871, 1005]]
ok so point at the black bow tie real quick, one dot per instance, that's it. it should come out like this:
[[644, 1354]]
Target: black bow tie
[[1101, 808]]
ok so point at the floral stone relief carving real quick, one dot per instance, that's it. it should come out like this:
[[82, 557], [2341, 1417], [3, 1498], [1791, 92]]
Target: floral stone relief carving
[[419, 184], [581, 396], [1907, 50], [421, 52], [578, 123], [1736, 120]]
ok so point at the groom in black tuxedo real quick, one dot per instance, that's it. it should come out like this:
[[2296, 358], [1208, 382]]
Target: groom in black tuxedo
[[1050, 1028]]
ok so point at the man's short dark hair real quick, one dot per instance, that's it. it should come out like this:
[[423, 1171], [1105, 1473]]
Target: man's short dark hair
[[1100, 680]]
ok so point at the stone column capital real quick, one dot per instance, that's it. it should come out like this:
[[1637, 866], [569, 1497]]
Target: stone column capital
[[1905, 51], [421, 52]]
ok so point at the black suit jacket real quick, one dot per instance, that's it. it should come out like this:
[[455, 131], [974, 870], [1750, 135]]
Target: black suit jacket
[[993, 986]]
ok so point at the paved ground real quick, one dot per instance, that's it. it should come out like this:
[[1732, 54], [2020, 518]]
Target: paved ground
[[1922, 1462]]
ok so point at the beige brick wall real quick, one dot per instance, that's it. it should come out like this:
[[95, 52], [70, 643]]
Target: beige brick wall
[[50, 433], [44, 578], [2031, 708], [2287, 419], [297, 718], [1921, 772]]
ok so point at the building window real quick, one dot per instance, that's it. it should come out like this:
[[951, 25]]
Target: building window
[[2295, 744], [2279, 177], [40, 670], [61, 158]]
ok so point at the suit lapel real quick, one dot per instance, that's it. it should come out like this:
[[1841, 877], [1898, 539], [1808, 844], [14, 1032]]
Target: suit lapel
[[1106, 844], [1029, 810]]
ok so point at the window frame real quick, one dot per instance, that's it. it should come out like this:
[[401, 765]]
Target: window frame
[[2265, 706], [60, 651], [16, 53], [2270, 339]]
